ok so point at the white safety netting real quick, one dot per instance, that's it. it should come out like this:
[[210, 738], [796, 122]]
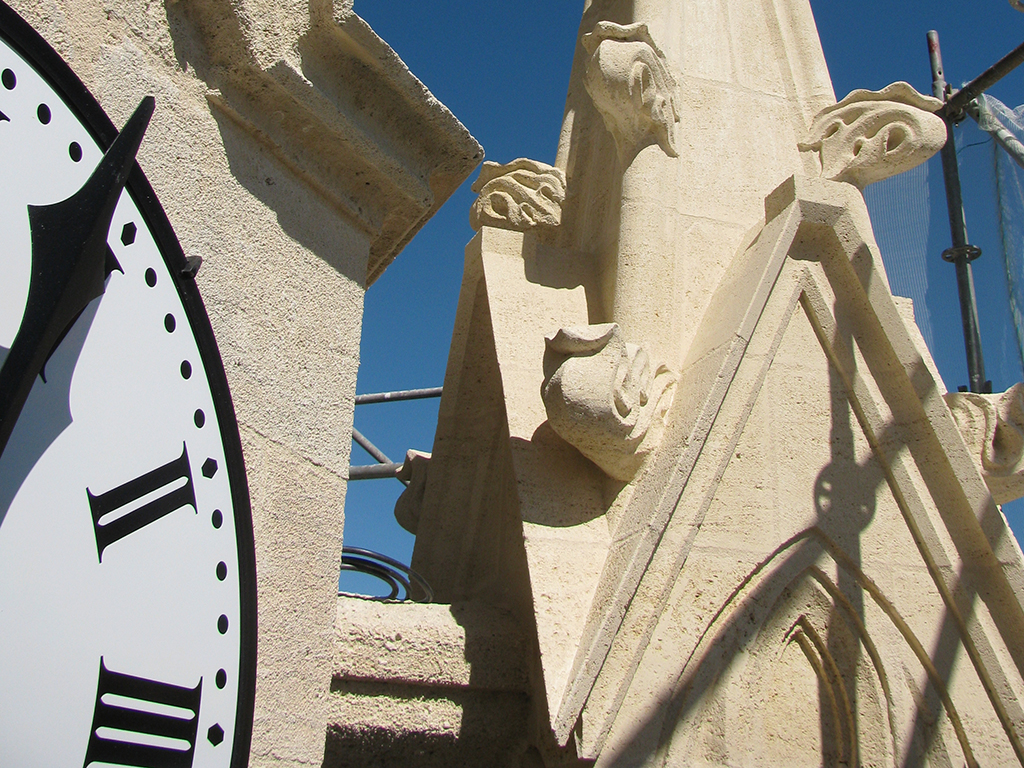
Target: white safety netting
[[900, 209], [911, 224], [1006, 126]]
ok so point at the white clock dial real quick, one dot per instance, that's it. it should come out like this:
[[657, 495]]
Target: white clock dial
[[126, 576]]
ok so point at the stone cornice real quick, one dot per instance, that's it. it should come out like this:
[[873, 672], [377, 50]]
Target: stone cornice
[[338, 107]]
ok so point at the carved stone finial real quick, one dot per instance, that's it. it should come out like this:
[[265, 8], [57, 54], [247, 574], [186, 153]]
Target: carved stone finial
[[993, 428], [871, 135], [602, 397], [632, 86], [521, 195]]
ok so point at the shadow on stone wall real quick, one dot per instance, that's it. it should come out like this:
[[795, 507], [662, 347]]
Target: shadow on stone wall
[[491, 732], [436, 685]]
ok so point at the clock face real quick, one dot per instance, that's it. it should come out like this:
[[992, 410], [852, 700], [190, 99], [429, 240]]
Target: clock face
[[127, 580]]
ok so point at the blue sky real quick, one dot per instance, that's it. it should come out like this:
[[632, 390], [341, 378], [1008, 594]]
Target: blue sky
[[503, 69]]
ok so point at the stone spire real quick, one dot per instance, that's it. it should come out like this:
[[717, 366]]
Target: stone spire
[[696, 110]]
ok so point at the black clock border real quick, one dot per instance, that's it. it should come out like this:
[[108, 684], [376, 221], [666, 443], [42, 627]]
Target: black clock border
[[30, 44]]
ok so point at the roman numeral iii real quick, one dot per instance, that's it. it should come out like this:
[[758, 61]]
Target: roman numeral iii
[[126, 496], [143, 723]]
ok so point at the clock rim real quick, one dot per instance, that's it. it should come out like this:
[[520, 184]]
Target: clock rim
[[40, 54]]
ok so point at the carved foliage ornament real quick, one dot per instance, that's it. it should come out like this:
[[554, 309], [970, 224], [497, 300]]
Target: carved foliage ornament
[[871, 135], [602, 397], [521, 195], [632, 87], [993, 429]]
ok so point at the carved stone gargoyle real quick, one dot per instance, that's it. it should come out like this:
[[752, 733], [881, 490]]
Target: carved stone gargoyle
[[871, 135], [993, 429], [521, 195], [602, 397], [629, 79]]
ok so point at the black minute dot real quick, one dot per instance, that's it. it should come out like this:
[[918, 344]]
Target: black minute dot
[[215, 735], [75, 151], [209, 468], [186, 369], [169, 323], [222, 678], [217, 519], [199, 417], [151, 280], [43, 113], [222, 624], [128, 232], [8, 79], [222, 572]]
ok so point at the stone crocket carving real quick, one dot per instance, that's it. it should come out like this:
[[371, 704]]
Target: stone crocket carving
[[602, 397], [993, 428], [520, 195], [871, 135], [633, 88]]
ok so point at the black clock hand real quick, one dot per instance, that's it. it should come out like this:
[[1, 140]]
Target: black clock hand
[[69, 260]]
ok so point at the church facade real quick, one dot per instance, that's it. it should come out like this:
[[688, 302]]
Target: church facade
[[697, 494]]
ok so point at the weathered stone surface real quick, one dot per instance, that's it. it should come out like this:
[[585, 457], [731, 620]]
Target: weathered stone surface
[[810, 530], [317, 88], [468, 645], [666, 164], [798, 562]]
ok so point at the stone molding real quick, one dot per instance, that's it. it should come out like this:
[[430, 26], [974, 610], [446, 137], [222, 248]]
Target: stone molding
[[520, 195], [993, 429], [603, 398], [633, 88], [339, 108], [872, 135]]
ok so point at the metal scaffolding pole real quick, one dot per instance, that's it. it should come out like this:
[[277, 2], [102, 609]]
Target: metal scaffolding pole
[[962, 253]]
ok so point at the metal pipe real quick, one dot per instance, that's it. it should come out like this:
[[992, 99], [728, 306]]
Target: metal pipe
[[961, 253], [373, 471], [370, 448], [958, 101], [405, 394], [378, 454]]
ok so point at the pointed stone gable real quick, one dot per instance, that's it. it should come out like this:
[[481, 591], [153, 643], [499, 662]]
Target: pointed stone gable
[[824, 586]]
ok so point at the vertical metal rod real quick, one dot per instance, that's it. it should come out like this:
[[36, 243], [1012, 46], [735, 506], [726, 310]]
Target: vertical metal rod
[[958, 230]]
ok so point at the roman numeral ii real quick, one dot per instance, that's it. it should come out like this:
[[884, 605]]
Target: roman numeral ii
[[131, 711], [124, 497]]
